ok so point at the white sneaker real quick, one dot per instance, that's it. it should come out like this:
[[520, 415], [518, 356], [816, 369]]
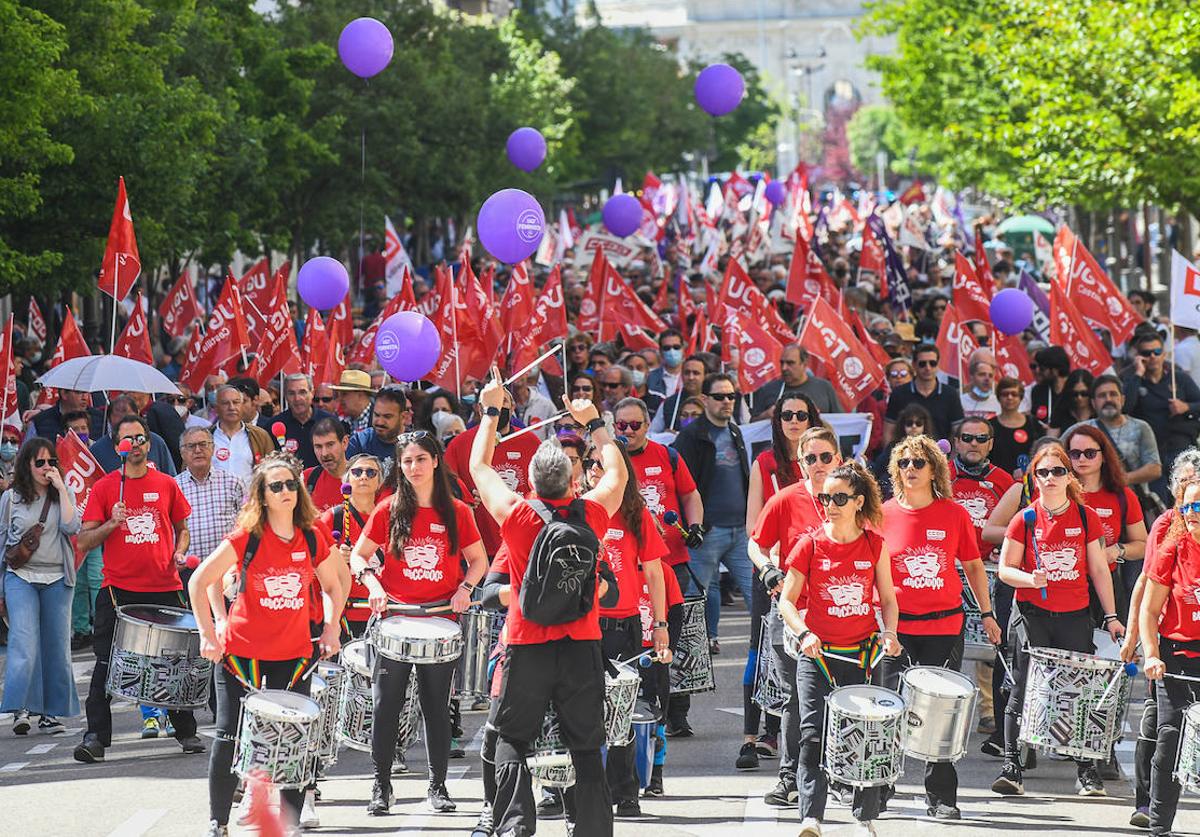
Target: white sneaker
[[810, 827], [308, 813], [243, 811], [864, 828]]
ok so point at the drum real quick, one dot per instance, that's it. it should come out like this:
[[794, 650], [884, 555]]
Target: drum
[[862, 736], [645, 719], [1187, 765], [276, 735], [356, 710], [480, 630], [1062, 697], [975, 642], [691, 667], [417, 639], [771, 689], [330, 699], [939, 704], [156, 658], [620, 697], [550, 761]]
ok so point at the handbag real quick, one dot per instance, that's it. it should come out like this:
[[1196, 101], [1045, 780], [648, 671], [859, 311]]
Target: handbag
[[18, 555]]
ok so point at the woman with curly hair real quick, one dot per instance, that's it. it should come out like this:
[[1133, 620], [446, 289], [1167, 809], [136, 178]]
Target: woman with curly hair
[[427, 535]]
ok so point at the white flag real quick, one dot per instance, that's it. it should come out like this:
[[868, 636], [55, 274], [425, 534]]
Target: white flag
[[397, 258], [564, 230], [1185, 292]]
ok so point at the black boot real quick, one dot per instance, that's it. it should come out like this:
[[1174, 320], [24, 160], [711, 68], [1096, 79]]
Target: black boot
[[381, 799]]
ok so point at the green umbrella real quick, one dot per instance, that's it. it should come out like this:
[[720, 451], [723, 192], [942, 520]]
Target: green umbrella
[[1026, 224]]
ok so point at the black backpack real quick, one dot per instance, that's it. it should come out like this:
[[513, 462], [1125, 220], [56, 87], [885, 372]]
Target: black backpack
[[559, 585]]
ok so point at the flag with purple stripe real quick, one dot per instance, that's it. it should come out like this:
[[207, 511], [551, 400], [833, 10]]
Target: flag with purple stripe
[[1041, 304]]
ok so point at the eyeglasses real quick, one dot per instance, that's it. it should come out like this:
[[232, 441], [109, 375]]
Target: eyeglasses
[[633, 426], [1079, 393], [1083, 453], [811, 458], [196, 445], [1047, 473], [917, 423], [325, 399], [578, 347], [1008, 393], [793, 415], [586, 389], [369, 473], [926, 364], [897, 373], [611, 385], [139, 439], [176, 399], [840, 499], [1150, 352], [917, 463], [723, 396], [667, 348], [975, 438], [411, 436], [1190, 508], [292, 485], [42, 463]]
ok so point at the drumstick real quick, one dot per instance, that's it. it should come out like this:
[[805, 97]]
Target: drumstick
[[400, 607], [671, 518], [1181, 677], [1003, 661], [1129, 669], [850, 660], [123, 449], [535, 426], [1030, 516], [530, 366], [643, 660], [338, 534]]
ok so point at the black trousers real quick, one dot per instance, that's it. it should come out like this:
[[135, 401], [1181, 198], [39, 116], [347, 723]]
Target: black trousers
[[789, 721], [678, 706], [104, 624], [221, 780], [941, 779], [1002, 605], [760, 605], [1143, 751], [568, 674], [388, 691], [1174, 696], [621, 644]]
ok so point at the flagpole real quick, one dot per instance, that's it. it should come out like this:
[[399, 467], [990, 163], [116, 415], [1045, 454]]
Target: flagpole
[[457, 347], [112, 336], [1172, 361]]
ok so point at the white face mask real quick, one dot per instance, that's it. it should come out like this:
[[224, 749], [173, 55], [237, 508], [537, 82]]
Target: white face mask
[[182, 410], [639, 377]]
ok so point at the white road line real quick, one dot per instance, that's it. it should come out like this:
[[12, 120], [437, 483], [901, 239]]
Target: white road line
[[14, 766], [139, 823], [40, 749], [732, 710]]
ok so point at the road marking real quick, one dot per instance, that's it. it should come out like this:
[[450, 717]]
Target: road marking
[[732, 710], [40, 749], [13, 766], [139, 823]]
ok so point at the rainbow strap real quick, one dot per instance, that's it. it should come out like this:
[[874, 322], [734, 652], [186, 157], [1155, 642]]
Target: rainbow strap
[[249, 672], [868, 652]]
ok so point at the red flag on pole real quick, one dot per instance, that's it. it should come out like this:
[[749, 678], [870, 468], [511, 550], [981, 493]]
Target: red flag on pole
[[37, 323], [852, 370], [758, 352], [549, 321], [593, 295], [9, 413], [180, 308], [860, 331], [277, 349], [983, 270], [1012, 359], [227, 328], [122, 264], [134, 342], [698, 340], [70, 344], [621, 306], [969, 297], [79, 468], [316, 343], [256, 283], [517, 305], [1069, 330], [200, 361], [872, 258], [955, 343], [1090, 290]]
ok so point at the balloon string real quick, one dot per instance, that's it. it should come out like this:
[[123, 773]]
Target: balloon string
[[362, 198]]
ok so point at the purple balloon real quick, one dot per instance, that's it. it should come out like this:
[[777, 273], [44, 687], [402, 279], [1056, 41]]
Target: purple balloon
[[408, 346], [511, 224], [365, 47], [526, 148], [323, 283], [776, 193], [719, 89], [1011, 311], [623, 215]]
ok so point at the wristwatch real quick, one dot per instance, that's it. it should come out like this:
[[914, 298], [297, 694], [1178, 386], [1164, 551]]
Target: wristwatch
[[493, 412], [661, 624], [595, 424], [987, 614], [1120, 553]]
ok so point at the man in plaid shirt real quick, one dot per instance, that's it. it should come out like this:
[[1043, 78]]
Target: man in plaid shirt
[[216, 496]]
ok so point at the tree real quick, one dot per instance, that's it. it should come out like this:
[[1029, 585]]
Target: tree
[[878, 128]]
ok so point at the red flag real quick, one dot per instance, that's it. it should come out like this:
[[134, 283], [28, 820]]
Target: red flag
[[1090, 290], [517, 304], [808, 279], [134, 342], [8, 377], [180, 308], [444, 317], [660, 299], [698, 340], [122, 264], [549, 321], [758, 352], [276, 349], [334, 363], [80, 470], [636, 339], [364, 351], [593, 295], [70, 344], [256, 283], [872, 258], [408, 299], [983, 270], [955, 343], [685, 303], [860, 331], [621, 306], [797, 293], [36, 322], [852, 370], [479, 333], [1012, 359], [316, 343], [913, 194], [969, 297], [341, 323], [739, 294], [1069, 330], [202, 358], [227, 327]]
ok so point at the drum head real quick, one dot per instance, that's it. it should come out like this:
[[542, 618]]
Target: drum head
[[328, 668], [318, 686], [624, 675], [167, 617], [942, 682], [418, 627], [278, 705], [870, 702], [354, 657], [1073, 659]]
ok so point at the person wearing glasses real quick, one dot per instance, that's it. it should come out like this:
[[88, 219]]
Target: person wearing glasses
[[324, 398], [899, 372], [578, 347], [617, 383], [1076, 401], [941, 400], [215, 496], [1073, 535], [929, 537], [428, 537], [264, 639], [841, 570], [1013, 430], [583, 385], [104, 447], [913, 420], [140, 516], [364, 474]]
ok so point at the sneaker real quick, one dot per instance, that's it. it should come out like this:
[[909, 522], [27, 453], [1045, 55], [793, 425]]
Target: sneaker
[[192, 744], [485, 826], [747, 757], [456, 749], [150, 728], [1140, 818], [249, 792], [863, 828], [1029, 760], [215, 829], [1089, 782], [843, 795], [992, 747], [381, 800], [1008, 783], [942, 811], [810, 827], [655, 786], [682, 730], [90, 750], [439, 799], [550, 805], [168, 729], [986, 725], [481, 704], [783, 795], [21, 722], [308, 812], [767, 746], [714, 647], [400, 765], [628, 809], [49, 725]]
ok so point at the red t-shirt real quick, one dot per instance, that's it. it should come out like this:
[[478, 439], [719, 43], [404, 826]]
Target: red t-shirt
[[1154, 543], [788, 516], [621, 551], [511, 461], [352, 530], [661, 488], [327, 493], [139, 555], [428, 571], [841, 585], [768, 470], [1107, 507], [269, 619], [924, 544], [519, 531], [979, 498], [673, 597], [1177, 567], [1063, 551]]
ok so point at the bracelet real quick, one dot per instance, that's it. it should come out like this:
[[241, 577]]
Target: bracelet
[[885, 632], [468, 586], [802, 635], [986, 614], [1110, 617], [365, 572], [595, 424]]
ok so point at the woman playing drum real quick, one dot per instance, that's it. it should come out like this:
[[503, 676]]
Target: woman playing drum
[[843, 568], [427, 534], [1048, 561], [364, 475], [266, 640]]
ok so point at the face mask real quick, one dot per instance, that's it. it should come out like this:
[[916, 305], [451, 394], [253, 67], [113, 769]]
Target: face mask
[[8, 451], [673, 357], [83, 437], [639, 377], [182, 410], [684, 422], [469, 398], [35, 357], [981, 393], [211, 398]]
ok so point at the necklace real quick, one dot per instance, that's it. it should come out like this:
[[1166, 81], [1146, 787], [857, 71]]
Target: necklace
[[1054, 512]]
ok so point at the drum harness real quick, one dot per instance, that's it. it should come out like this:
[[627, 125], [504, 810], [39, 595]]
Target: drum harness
[[339, 524]]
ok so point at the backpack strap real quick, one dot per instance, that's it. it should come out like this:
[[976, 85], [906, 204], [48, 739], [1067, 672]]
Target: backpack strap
[[1123, 503], [310, 540], [310, 481], [1083, 523], [673, 455], [252, 542], [542, 510]]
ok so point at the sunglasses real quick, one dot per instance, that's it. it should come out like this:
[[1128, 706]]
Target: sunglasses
[[411, 436], [589, 464], [1083, 453], [325, 399], [1190, 508], [1151, 352], [723, 396], [926, 364], [581, 389], [917, 423], [176, 399], [666, 348], [1079, 393], [292, 485], [897, 373], [633, 426], [917, 462], [840, 499], [139, 439], [811, 458], [975, 438], [578, 347], [794, 415], [1047, 473], [610, 385], [42, 463], [369, 473]]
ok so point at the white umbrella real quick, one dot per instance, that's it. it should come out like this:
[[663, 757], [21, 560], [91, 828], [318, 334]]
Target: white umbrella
[[107, 372]]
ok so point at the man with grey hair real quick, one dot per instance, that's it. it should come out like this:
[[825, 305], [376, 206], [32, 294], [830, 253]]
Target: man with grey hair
[[298, 419], [214, 495], [234, 449], [979, 398], [616, 383], [557, 664]]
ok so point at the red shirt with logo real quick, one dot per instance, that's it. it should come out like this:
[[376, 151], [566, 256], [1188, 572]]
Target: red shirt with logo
[[1157, 537], [1107, 507], [622, 552], [269, 619], [520, 530], [1063, 550], [427, 571], [1177, 567], [768, 471], [661, 487], [139, 554], [979, 497], [327, 493], [924, 544], [511, 461], [788, 516], [351, 530], [673, 596], [840, 578]]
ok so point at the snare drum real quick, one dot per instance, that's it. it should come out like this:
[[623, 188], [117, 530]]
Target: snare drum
[[862, 736], [939, 704], [620, 697], [975, 642], [277, 736], [691, 666], [1062, 697], [419, 640], [330, 699], [770, 687], [156, 658], [1187, 765], [480, 629], [550, 762], [356, 710]]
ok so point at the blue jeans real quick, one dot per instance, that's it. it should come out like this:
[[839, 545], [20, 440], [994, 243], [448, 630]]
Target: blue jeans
[[38, 676], [88, 580], [722, 545]]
